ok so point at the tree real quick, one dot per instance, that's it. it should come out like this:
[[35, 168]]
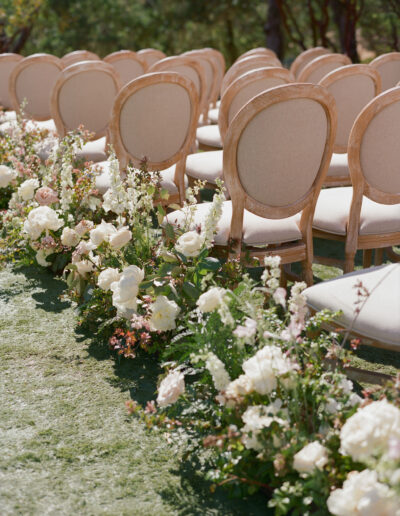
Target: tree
[[17, 19]]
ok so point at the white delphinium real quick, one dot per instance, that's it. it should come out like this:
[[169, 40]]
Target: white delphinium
[[271, 274], [298, 309], [171, 387], [214, 214], [218, 372], [115, 199], [313, 455], [164, 312]]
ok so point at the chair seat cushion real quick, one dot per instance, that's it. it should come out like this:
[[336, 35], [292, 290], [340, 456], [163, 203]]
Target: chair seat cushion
[[206, 166], [209, 135], [167, 180], [93, 151], [333, 208], [257, 231], [213, 115], [379, 317], [339, 165]]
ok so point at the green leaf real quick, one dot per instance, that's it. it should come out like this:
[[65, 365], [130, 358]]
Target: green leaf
[[210, 264], [169, 231], [190, 290]]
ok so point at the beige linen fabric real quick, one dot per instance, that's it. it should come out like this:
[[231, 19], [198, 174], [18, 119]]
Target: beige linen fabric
[[206, 166]]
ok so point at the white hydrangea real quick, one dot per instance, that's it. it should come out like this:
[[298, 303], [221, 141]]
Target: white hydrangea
[[107, 277], [171, 388], [218, 372], [41, 219], [189, 244], [7, 174], [164, 312], [313, 455], [211, 300], [26, 191], [367, 432]]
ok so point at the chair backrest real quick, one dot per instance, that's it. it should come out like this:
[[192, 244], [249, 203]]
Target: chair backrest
[[188, 67], [244, 88], [211, 73], [321, 66], [84, 95], [245, 65], [7, 64], [306, 57], [257, 51], [388, 66], [155, 117], [127, 64], [77, 56], [151, 55], [33, 79], [220, 66], [277, 152], [374, 151], [352, 87]]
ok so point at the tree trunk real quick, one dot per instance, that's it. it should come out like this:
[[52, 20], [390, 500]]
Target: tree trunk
[[346, 22], [273, 29]]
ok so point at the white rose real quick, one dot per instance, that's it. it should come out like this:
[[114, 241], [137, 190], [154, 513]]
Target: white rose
[[312, 456], [69, 237], [171, 388], [120, 238], [83, 227], [41, 219], [27, 189], [107, 277], [41, 256], [164, 312], [211, 300], [126, 289], [7, 174], [84, 267], [102, 233], [189, 244], [239, 387]]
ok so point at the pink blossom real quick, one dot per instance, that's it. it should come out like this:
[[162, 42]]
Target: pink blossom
[[46, 196]]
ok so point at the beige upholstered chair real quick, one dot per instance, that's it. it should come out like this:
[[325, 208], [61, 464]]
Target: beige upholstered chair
[[155, 118], [306, 57], [78, 55], [7, 64], [127, 64], [84, 95], [316, 69], [352, 86], [256, 51], [151, 55], [207, 166], [32, 80], [388, 66], [220, 65], [378, 323], [367, 216], [277, 151]]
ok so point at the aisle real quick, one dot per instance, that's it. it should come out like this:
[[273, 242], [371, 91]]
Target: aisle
[[66, 445]]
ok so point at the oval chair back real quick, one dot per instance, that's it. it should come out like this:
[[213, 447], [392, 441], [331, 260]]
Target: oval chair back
[[306, 57], [316, 69], [78, 55], [151, 55], [257, 51], [127, 64], [388, 66], [8, 62]]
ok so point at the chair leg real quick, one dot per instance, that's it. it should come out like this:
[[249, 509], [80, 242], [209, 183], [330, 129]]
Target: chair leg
[[378, 256], [283, 278], [307, 271], [349, 262], [367, 258]]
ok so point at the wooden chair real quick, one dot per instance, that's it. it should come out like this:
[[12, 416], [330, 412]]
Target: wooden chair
[[77, 56], [306, 57], [127, 64], [155, 117], [316, 69], [257, 51], [33, 79], [84, 95], [352, 87], [151, 55], [220, 65], [8, 62], [277, 152], [367, 216], [388, 66]]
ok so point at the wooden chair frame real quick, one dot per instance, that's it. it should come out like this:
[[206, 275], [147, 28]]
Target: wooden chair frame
[[8, 58], [289, 252], [332, 78], [77, 56], [71, 71], [21, 66], [320, 61], [179, 158], [353, 240], [383, 59], [147, 53], [306, 57], [257, 51], [122, 55], [220, 64]]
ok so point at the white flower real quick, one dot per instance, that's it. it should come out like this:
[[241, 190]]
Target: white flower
[[107, 277], [363, 495], [7, 174], [120, 238], [171, 388], [247, 331], [93, 203], [126, 289], [190, 244], [332, 406], [264, 367], [218, 372], [279, 296], [312, 456], [83, 227], [239, 387], [41, 256], [164, 312], [257, 417], [41, 219], [211, 300], [27, 189], [69, 237], [102, 233], [367, 432], [84, 267]]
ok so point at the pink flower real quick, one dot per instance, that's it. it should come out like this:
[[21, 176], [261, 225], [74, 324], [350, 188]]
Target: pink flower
[[46, 196]]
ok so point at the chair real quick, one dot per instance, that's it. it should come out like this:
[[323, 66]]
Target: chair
[[33, 79], [316, 69], [78, 55], [84, 95], [367, 216], [127, 64], [151, 55], [388, 66], [276, 154], [306, 57], [352, 86], [257, 51], [154, 118], [7, 64], [207, 166], [220, 65]]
